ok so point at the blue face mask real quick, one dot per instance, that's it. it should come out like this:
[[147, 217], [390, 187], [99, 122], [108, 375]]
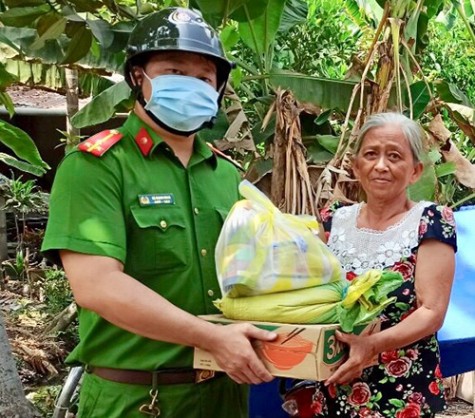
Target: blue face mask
[[182, 103]]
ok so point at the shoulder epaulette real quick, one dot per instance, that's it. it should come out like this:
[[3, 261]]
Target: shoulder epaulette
[[101, 142], [221, 154]]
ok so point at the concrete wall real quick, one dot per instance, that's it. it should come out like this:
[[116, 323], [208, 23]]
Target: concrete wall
[[43, 127]]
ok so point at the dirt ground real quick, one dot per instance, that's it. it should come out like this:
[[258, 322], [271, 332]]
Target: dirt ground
[[24, 96], [458, 408]]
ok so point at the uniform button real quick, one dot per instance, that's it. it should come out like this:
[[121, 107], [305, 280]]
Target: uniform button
[[204, 252], [210, 293], [163, 224], [196, 210]]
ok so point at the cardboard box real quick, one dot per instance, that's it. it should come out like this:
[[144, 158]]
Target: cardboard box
[[300, 351]]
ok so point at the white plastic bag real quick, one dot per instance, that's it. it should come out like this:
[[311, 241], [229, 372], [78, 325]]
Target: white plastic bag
[[261, 250]]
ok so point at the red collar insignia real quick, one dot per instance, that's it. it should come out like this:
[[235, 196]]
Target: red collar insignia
[[144, 141]]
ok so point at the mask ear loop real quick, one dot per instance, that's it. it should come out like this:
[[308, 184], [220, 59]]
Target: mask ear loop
[[134, 85], [209, 124], [221, 90]]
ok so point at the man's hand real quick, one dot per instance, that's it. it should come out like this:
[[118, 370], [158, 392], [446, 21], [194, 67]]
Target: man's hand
[[233, 351], [360, 356]]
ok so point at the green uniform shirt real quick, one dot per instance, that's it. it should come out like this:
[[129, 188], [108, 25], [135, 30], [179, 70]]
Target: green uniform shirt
[[160, 219]]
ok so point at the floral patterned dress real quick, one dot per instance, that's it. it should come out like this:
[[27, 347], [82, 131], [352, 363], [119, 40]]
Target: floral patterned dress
[[407, 383]]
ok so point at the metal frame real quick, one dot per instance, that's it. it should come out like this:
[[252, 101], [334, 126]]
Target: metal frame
[[69, 392]]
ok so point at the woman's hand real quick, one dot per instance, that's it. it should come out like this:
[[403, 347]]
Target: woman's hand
[[361, 355]]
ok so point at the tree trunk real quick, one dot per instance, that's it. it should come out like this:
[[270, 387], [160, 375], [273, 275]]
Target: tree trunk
[[61, 321], [72, 106], [278, 164], [3, 232], [13, 403]]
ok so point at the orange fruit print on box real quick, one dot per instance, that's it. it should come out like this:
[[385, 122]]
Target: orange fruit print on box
[[286, 352]]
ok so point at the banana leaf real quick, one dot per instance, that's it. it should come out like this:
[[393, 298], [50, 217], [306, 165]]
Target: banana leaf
[[327, 93], [23, 147]]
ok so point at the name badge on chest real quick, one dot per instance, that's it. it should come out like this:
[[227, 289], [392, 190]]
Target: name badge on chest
[[156, 199]]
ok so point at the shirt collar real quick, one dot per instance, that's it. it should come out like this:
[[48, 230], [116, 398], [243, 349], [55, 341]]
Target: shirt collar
[[145, 138], [200, 148], [148, 141]]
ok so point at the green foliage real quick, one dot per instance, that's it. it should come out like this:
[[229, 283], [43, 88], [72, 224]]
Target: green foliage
[[259, 34], [44, 399], [324, 45], [424, 188], [23, 197], [24, 147], [79, 45], [58, 294], [103, 106], [330, 94], [421, 94], [295, 44], [23, 15], [216, 12], [295, 13], [451, 57], [258, 37], [364, 12], [6, 78], [53, 29], [7, 102], [60, 34], [17, 268], [450, 93]]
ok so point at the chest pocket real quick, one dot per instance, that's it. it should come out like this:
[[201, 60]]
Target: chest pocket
[[160, 239]]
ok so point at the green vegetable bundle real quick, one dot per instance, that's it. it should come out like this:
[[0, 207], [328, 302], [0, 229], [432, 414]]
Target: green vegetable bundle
[[347, 303]]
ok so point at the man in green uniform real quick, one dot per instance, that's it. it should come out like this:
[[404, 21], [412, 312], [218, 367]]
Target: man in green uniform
[[134, 218]]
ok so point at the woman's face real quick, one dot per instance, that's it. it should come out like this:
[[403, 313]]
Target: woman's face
[[384, 164]]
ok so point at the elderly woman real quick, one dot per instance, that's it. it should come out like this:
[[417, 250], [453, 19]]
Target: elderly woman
[[417, 239]]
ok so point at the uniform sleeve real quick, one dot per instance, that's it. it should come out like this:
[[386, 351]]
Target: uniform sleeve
[[437, 222], [86, 213]]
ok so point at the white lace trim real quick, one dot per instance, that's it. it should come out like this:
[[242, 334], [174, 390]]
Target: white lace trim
[[362, 249]]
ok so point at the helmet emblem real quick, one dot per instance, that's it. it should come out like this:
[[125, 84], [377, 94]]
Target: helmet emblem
[[180, 16]]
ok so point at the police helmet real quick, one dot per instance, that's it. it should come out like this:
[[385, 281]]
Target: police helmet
[[176, 29]]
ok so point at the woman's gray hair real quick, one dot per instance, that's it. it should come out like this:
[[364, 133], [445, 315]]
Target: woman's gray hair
[[411, 130]]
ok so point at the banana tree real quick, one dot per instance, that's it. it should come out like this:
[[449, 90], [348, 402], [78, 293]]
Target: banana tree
[[25, 154], [250, 33], [466, 11], [47, 42], [256, 25], [92, 35], [391, 79], [79, 35]]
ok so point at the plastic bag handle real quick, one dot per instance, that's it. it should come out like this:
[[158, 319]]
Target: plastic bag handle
[[251, 192]]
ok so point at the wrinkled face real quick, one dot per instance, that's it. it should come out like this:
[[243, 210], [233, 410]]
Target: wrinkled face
[[176, 63], [384, 165]]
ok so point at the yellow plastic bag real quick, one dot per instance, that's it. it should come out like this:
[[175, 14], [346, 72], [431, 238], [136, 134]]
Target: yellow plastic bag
[[261, 250]]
